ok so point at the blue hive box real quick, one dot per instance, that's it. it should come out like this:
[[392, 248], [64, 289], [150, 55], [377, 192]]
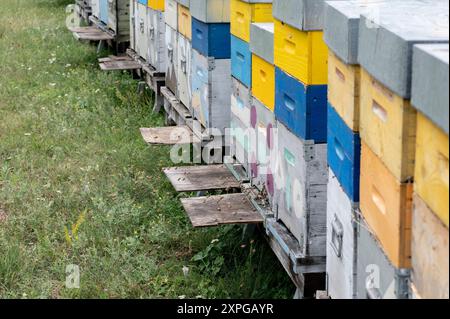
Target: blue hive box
[[303, 109], [211, 39], [241, 61], [104, 11], [344, 154]]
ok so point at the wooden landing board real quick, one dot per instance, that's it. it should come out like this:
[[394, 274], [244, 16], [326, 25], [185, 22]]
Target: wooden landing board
[[92, 35], [113, 58], [90, 29], [221, 210], [201, 178], [119, 65], [170, 135]]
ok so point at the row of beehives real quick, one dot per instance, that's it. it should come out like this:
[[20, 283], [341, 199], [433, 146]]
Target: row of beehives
[[348, 122], [113, 15]]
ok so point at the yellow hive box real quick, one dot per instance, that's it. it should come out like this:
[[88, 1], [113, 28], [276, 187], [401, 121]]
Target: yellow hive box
[[386, 205], [263, 81], [302, 54], [243, 14], [388, 126], [431, 177], [343, 90], [184, 21], [156, 4]]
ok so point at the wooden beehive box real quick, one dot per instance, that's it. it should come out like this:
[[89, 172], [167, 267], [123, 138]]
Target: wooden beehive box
[[118, 19], [386, 205], [301, 187], [430, 253], [210, 97], [156, 40], [377, 278], [341, 242], [171, 59], [184, 61], [245, 12]]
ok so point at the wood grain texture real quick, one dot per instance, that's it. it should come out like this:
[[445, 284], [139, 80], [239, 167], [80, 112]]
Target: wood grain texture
[[118, 20], [92, 35], [210, 94], [388, 126], [201, 178], [141, 30], [344, 90], [168, 135], [157, 47], [430, 253], [221, 210], [301, 190], [432, 173], [119, 65], [374, 271], [386, 205]]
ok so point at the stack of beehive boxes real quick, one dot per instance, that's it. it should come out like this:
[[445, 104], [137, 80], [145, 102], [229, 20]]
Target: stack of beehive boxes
[[139, 27], [430, 234], [372, 258], [388, 125], [344, 146], [156, 30], [262, 106], [300, 58], [184, 53], [243, 138], [211, 66], [178, 57], [171, 36]]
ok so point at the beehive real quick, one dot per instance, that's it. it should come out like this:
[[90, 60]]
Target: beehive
[[210, 98], [386, 205], [301, 184], [341, 242], [156, 40], [245, 12]]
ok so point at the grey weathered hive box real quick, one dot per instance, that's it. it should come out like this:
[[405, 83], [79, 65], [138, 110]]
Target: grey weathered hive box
[[261, 40], [387, 36], [307, 15], [341, 25], [211, 11], [430, 82]]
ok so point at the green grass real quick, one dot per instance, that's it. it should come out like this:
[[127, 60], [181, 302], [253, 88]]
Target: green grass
[[70, 147]]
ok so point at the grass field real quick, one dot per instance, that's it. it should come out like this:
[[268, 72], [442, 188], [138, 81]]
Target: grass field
[[78, 185]]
